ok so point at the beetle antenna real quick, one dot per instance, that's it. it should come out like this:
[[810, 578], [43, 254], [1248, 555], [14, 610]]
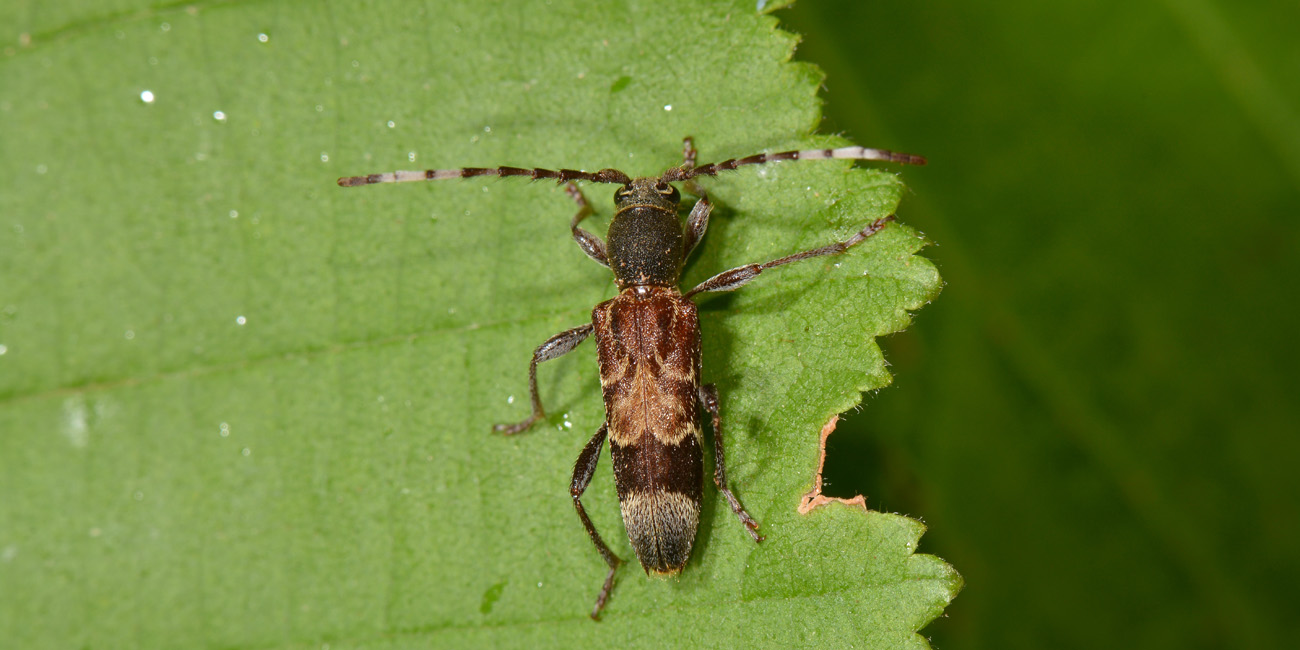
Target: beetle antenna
[[851, 153], [561, 176]]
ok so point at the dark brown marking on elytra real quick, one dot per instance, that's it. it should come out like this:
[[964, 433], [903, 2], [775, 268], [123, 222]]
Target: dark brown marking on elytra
[[648, 345]]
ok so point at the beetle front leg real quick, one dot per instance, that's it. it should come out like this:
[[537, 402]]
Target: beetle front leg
[[554, 347], [741, 275], [688, 162], [582, 473], [697, 224], [590, 244], [709, 398]]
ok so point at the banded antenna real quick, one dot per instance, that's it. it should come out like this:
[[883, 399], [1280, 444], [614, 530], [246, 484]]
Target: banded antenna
[[849, 153], [675, 174]]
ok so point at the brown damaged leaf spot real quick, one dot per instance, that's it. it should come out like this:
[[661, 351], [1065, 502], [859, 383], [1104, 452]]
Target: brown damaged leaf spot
[[814, 498]]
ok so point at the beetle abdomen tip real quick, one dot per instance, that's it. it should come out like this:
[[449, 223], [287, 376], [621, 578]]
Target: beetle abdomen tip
[[661, 526]]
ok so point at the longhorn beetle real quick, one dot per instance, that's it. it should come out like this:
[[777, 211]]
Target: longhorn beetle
[[648, 340]]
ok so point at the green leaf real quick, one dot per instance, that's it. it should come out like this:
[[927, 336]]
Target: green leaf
[[244, 407]]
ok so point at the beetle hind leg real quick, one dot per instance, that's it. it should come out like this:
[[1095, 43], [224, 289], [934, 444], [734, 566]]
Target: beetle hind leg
[[709, 398], [582, 473]]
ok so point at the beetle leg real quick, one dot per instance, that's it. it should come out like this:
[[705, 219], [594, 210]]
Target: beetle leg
[[741, 275], [699, 219], [553, 348], [589, 243], [688, 163], [582, 472], [697, 224], [709, 398]]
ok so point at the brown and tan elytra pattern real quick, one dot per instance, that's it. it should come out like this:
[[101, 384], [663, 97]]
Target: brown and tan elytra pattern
[[648, 341]]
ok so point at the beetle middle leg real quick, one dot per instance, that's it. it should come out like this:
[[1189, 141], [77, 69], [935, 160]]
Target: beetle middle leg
[[741, 275], [709, 398], [582, 473], [554, 347]]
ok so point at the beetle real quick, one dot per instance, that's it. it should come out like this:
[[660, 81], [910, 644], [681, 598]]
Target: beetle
[[648, 344]]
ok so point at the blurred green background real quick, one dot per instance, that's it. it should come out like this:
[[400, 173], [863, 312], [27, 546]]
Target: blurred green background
[[1097, 418]]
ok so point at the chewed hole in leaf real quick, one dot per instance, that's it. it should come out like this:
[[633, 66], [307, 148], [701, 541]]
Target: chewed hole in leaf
[[816, 498]]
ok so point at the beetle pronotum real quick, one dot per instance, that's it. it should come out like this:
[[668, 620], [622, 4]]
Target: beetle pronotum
[[648, 340]]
